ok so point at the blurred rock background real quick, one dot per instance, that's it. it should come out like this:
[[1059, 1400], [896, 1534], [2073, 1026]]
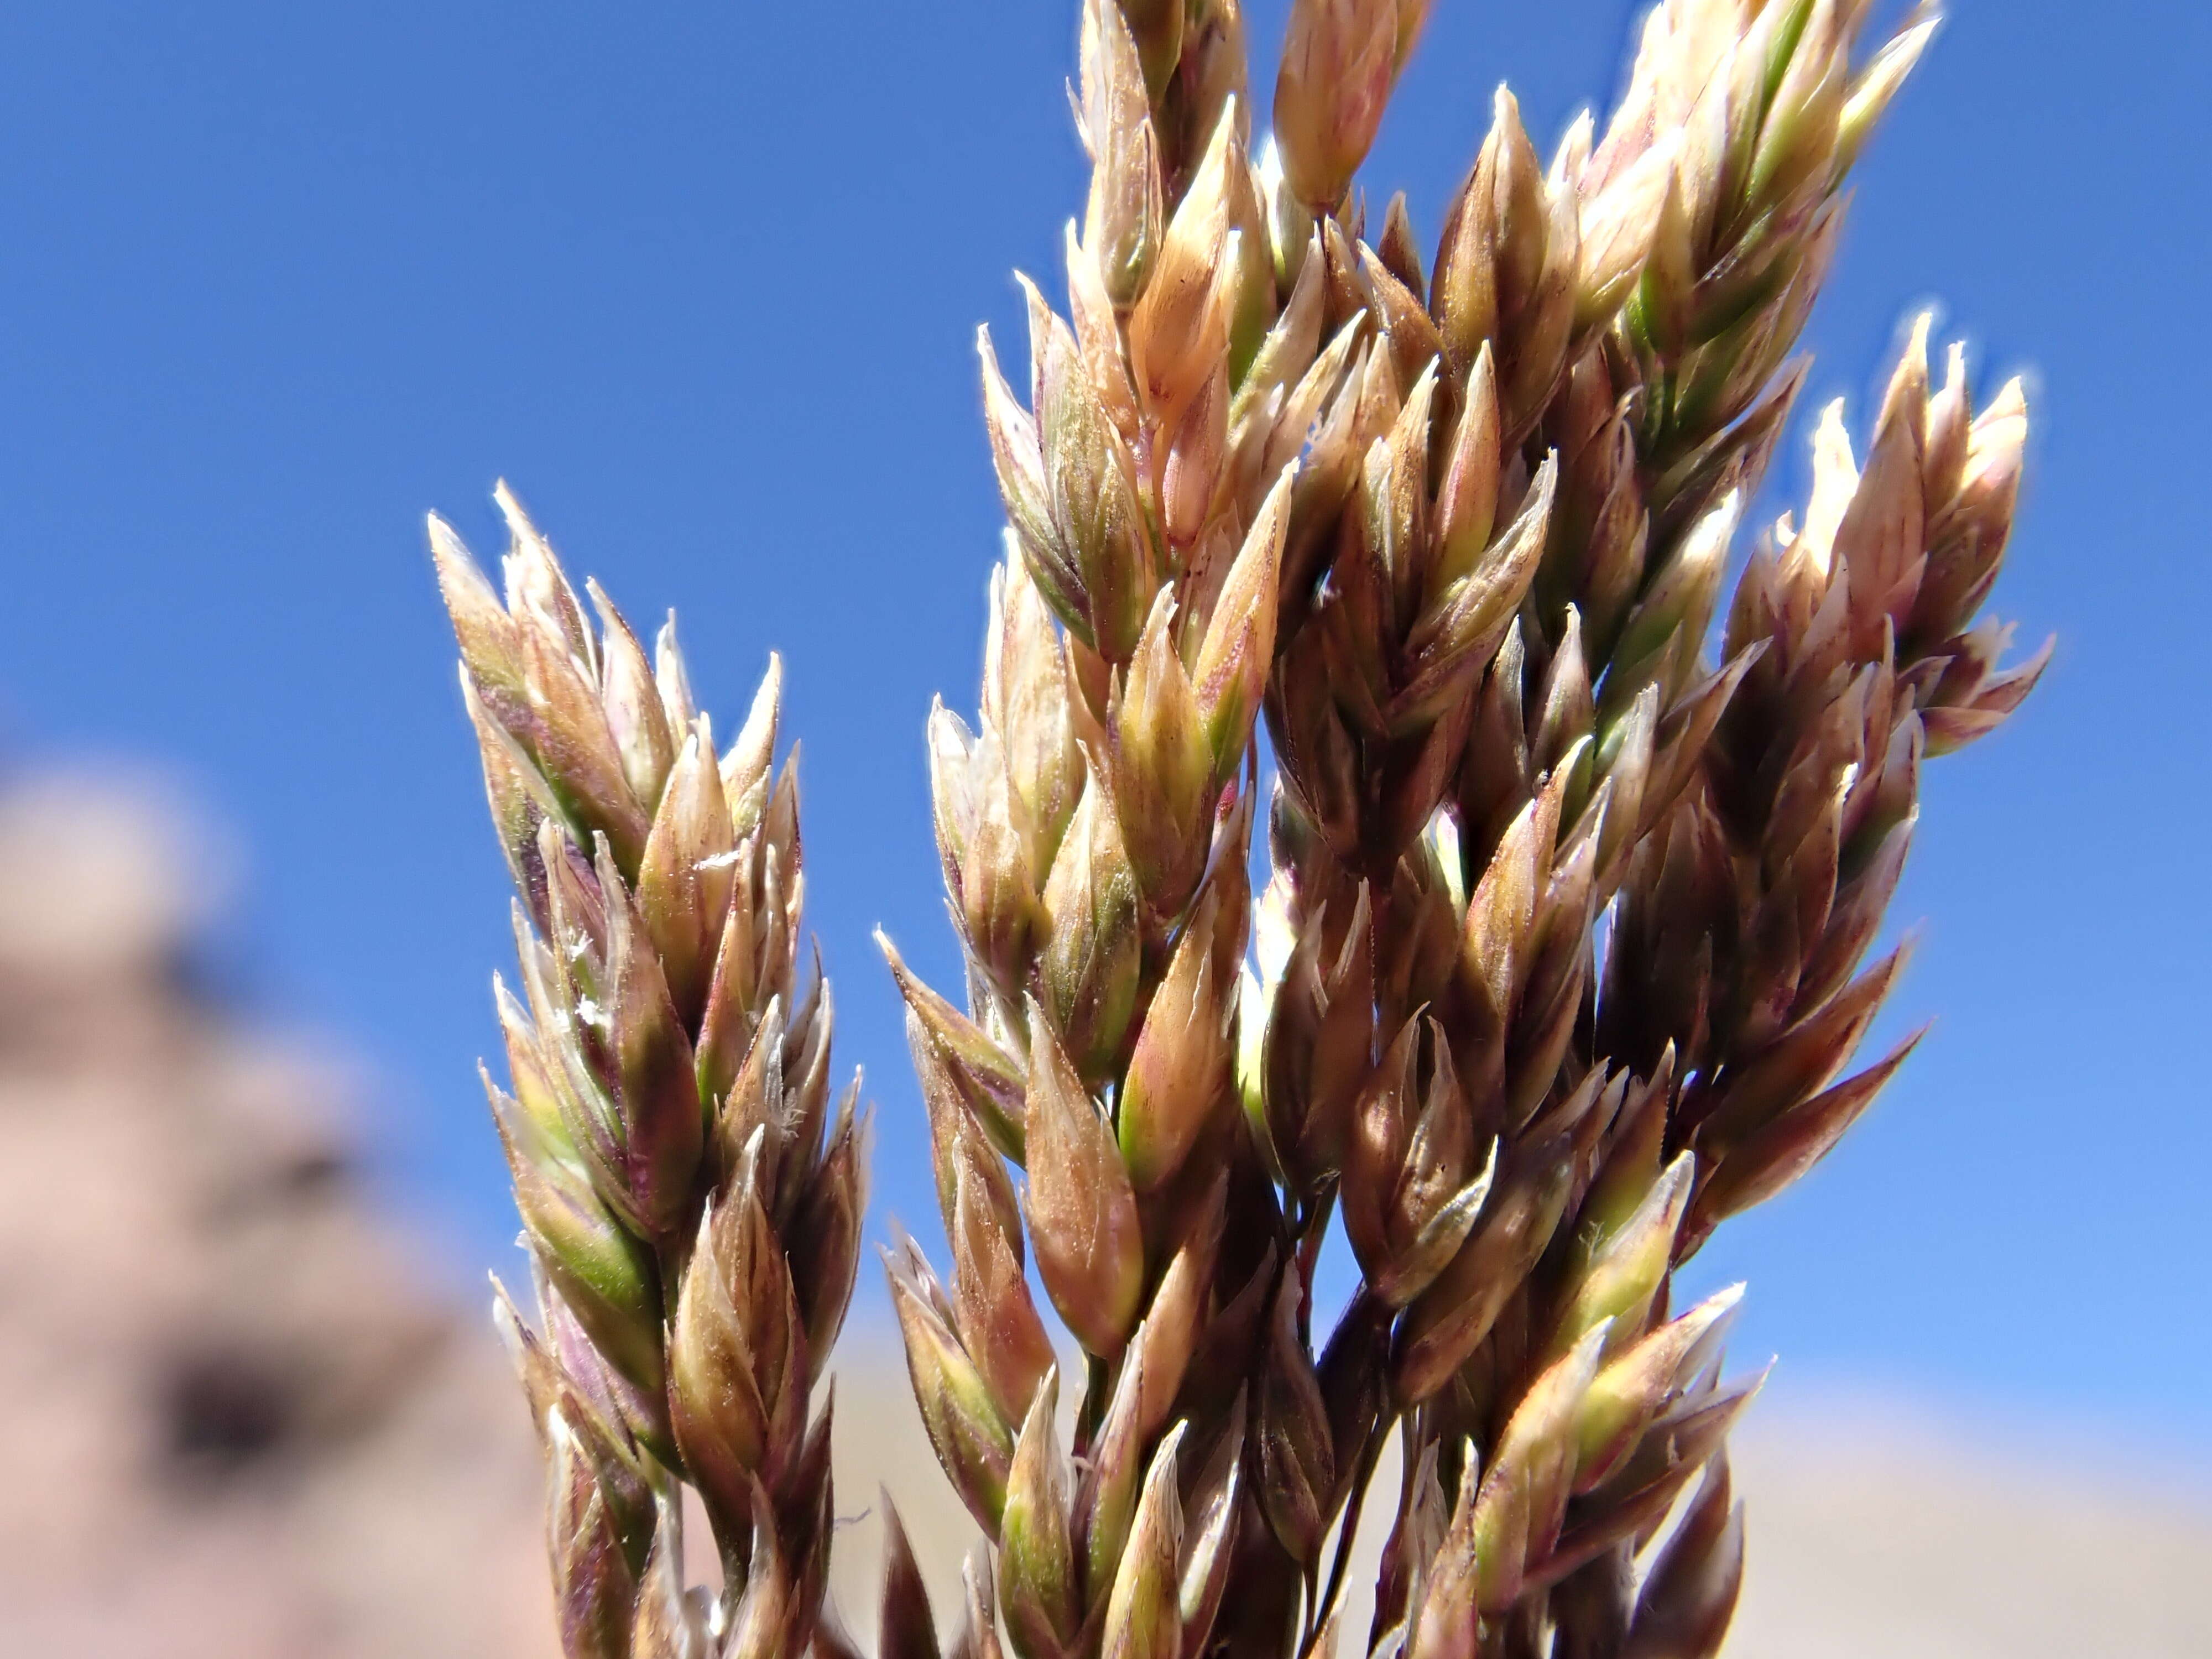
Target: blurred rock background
[[238, 1423], [245, 1419]]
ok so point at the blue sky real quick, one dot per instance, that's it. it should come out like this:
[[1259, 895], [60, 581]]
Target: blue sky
[[701, 281]]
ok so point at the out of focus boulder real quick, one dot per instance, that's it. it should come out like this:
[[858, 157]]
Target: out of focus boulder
[[234, 1422]]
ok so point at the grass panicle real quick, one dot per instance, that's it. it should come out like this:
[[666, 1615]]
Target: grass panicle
[[1562, 957], [691, 1195], [1580, 830]]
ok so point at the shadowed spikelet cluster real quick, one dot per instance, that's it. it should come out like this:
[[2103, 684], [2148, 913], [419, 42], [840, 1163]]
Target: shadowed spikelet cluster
[[1576, 855], [690, 1199]]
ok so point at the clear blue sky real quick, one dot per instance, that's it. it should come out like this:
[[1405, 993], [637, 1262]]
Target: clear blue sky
[[702, 282]]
